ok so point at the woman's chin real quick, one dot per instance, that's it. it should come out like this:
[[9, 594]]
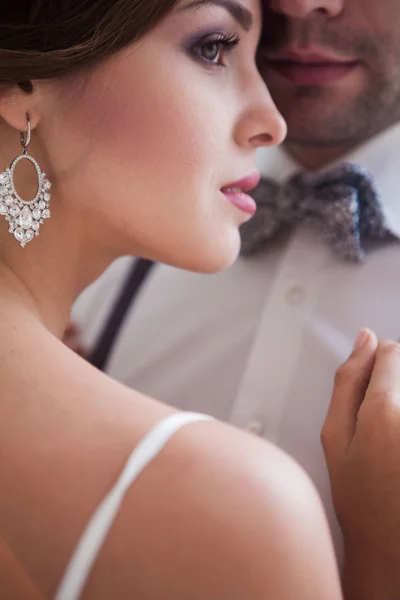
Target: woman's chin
[[213, 257], [208, 254]]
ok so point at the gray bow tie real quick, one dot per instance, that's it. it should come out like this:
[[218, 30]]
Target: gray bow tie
[[342, 204]]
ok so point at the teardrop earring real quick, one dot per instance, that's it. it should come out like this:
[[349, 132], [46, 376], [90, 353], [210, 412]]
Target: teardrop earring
[[24, 216]]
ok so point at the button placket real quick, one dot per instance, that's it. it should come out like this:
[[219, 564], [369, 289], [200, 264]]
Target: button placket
[[272, 361], [295, 295]]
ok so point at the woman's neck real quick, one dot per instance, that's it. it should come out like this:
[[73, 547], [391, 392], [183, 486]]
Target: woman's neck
[[47, 275]]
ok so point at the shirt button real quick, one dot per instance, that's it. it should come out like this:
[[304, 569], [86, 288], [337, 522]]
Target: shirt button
[[295, 296], [256, 427]]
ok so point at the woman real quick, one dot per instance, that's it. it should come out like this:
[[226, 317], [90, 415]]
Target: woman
[[145, 117]]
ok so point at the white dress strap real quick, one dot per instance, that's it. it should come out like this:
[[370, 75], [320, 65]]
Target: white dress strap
[[92, 539]]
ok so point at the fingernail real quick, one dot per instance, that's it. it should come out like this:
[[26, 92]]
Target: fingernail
[[361, 339]]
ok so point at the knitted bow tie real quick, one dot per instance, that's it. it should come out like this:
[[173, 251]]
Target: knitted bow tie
[[342, 204]]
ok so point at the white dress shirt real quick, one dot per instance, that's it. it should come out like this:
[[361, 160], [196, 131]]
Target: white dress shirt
[[259, 343]]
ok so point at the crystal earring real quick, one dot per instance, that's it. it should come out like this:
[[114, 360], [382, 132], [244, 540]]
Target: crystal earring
[[24, 216]]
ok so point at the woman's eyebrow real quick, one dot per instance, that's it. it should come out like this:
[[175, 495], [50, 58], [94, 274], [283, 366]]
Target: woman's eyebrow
[[241, 14]]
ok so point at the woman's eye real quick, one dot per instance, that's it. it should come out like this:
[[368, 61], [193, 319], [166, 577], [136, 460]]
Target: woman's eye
[[212, 51]]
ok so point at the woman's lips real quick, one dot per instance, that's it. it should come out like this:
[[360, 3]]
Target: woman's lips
[[241, 200], [236, 192], [313, 73]]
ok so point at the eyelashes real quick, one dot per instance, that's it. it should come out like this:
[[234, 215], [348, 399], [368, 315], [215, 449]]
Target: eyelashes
[[211, 49]]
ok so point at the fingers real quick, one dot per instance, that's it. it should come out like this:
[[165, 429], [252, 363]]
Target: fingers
[[351, 383], [384, 386]]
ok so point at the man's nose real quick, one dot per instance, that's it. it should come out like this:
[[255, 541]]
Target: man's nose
[[302, 9]]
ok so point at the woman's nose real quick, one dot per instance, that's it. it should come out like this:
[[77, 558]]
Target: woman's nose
[[261, 124]]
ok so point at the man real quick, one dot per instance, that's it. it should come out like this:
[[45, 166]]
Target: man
[[258, 344]]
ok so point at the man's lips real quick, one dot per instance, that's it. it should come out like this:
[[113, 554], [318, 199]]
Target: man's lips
[[311, 68]]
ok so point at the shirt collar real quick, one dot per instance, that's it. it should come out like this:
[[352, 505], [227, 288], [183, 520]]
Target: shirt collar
[[380, 156]]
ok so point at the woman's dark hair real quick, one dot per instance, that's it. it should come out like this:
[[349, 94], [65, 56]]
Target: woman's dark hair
[[42, 39]]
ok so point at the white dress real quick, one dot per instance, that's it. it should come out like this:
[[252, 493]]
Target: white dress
[[91, 541]]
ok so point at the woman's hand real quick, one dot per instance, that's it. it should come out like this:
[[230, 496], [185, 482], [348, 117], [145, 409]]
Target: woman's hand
[[361, 440]]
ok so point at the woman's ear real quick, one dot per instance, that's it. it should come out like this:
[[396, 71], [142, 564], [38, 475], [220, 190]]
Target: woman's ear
[[16, 102]]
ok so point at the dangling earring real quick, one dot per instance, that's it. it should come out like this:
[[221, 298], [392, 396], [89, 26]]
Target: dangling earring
[[24, 216]]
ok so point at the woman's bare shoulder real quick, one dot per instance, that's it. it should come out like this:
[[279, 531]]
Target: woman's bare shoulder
[[219, 514]]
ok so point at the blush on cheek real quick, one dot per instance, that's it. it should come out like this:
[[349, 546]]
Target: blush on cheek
[[149, 115], [152, 148]]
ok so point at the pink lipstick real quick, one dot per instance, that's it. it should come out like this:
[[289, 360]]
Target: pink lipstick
[[235, 192]]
